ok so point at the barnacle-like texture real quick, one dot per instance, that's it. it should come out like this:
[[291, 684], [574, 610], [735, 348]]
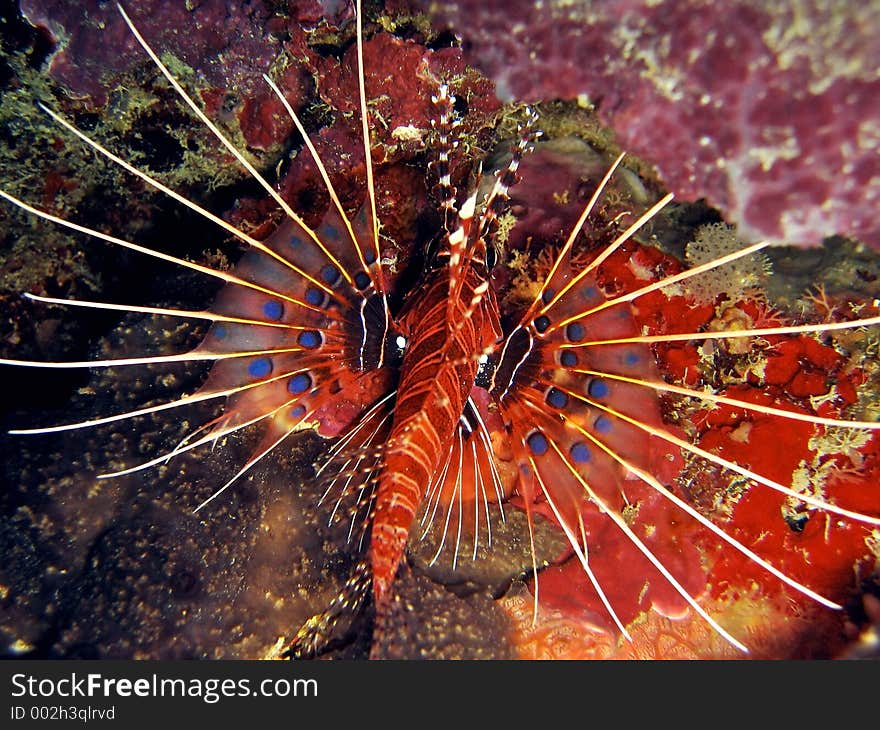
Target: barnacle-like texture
[[769, 111]]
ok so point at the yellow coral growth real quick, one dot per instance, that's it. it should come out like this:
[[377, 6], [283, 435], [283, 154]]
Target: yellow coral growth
[[735, 279]]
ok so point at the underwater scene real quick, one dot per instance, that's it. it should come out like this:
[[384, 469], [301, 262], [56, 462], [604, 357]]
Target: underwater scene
[[419, 330]]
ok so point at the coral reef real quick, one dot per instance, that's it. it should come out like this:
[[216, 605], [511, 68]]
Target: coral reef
[[771, 112]]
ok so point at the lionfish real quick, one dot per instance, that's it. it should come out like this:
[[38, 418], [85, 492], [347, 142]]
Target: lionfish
[[457, 401]]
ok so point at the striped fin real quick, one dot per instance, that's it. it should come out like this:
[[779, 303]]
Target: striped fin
[[456, 505], [576, 384], [347, 475], [300, 336]]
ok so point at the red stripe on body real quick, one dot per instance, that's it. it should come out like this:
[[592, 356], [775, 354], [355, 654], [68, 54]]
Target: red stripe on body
[[438, 373]]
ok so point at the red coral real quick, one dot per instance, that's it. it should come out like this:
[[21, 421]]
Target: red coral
[[400, 78], [230, 44], [262, 117], [802, 366]]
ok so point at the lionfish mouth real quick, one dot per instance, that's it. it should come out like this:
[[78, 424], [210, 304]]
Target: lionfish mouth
[[526, 413]]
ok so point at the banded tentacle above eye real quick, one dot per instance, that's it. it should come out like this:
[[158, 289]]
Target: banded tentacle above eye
[[445, 125], [497, 200], [468, 246]]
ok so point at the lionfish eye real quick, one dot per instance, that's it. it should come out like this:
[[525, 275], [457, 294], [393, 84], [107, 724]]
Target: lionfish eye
[[491, 257], [431, 250]]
